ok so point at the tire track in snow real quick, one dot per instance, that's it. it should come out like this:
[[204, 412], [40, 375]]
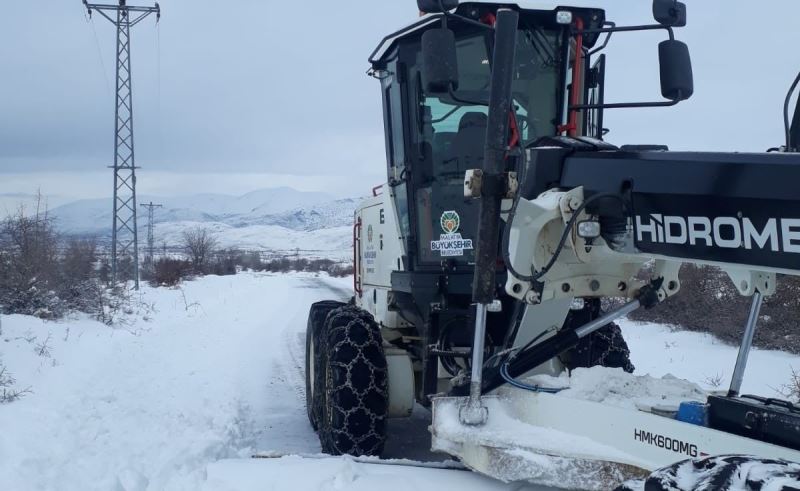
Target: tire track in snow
[[282, 421], [295, 331], [294, 369]]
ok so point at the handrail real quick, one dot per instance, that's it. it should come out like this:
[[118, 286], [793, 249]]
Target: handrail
[[356, 255]]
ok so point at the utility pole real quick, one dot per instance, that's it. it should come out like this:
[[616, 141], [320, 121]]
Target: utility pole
[[124, 234], [151, 242]]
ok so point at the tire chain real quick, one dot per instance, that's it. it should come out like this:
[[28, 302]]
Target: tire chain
[[316, 325], [722, 473], [616, 353], [356, 404], [606, 348]]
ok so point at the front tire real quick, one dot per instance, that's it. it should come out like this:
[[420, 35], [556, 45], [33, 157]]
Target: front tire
[[314, 384], [723, 473], [355, 384]]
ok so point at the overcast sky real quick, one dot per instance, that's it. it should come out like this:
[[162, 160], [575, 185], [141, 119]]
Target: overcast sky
[[236, 95]]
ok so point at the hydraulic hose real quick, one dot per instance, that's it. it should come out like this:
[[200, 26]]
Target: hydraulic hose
[[538, 275], [786, 123]]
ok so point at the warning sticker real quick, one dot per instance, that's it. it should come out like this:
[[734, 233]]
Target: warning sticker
[[451, 243]]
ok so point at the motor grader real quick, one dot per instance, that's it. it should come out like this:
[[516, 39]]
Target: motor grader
[[507, 222]]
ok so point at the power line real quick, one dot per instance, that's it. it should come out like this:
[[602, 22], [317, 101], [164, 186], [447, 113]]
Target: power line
[[159, 128], [125, 234], [90, 21]]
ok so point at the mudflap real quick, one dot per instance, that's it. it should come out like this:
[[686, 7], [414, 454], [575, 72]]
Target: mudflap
[[511, 450]]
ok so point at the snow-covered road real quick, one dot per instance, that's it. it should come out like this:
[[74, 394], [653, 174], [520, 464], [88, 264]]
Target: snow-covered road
[[183, 400], [211, 378], [210, 374]]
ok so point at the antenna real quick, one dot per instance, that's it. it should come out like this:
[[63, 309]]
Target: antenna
[[151, 243], [125, 235]]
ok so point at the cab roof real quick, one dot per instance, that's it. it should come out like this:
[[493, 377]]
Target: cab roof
[[541, 5], [593, 16]]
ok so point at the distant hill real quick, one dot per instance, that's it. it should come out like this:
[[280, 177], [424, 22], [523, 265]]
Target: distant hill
[[94, 216], [280, 220]]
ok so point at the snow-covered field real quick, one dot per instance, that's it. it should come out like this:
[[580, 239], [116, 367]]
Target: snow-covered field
[[204, 376], [659, 350], [334, 243]]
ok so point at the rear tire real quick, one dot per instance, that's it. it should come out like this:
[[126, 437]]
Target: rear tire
[[314, 383], [355, 384], [605, 347]]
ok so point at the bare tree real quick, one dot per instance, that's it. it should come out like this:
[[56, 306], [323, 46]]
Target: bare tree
[[44, 276], [200, 245]]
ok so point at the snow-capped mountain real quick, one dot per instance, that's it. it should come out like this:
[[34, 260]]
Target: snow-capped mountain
[[338, 213], [94, 216], [281, 219]]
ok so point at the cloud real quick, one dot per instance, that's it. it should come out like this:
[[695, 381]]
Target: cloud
[[259, 87]]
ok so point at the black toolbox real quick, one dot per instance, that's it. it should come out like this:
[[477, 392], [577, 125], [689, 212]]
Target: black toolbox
[[768, 420]]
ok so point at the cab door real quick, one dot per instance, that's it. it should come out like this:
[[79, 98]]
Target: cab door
[[379, 251]]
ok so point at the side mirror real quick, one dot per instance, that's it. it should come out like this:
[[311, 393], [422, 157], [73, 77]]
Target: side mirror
[[669, 13], [439, 61], [677, 80], [436, 6]]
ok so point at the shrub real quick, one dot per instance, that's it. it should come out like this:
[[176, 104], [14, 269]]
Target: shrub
[[341, 270], [251, 261], [225, 263], [28, 265], [79, 259], [286, 264], [708, 302], [79, 284], [170, 272]]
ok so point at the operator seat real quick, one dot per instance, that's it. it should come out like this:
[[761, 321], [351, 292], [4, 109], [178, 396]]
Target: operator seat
[[468, 145]]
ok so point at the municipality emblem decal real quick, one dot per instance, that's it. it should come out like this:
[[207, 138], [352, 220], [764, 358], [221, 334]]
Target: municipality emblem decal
[[451, 243], [369, 233], [450, 222]]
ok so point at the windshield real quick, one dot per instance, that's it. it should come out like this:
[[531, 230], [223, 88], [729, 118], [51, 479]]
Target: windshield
[[535, 84], [452, 131]]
